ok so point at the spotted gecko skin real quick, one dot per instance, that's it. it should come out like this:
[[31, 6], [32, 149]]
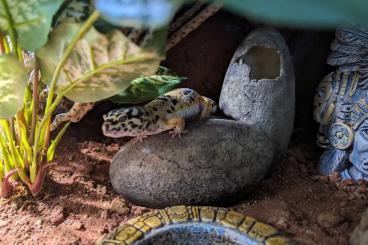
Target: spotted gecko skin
[[166, 112]]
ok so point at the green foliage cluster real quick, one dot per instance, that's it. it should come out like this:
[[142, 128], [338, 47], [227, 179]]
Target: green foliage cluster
[[70, 58]]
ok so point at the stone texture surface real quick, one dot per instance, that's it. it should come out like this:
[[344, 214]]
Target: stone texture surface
[[360, 234], [267, 103], [213, 163]]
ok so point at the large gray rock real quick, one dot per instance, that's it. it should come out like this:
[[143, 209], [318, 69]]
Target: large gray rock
[[259, 86], [211, 164]]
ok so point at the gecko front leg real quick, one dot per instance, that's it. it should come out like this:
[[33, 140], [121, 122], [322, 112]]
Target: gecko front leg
[[177, 125], [138, 138], [75, 114]]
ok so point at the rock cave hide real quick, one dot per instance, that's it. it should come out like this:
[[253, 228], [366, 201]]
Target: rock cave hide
[[219, 160]]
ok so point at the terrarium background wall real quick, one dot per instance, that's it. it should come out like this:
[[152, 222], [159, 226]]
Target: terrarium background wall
[[205, 54]]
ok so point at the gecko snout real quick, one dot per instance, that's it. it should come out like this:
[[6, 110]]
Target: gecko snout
[[112, 131]]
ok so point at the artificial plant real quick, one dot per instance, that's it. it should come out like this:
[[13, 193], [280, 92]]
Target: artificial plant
[[72, 59]]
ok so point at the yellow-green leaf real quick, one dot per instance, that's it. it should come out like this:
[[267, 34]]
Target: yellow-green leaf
[[99, 67], [29, 19], [25, 148], [55, 142], [13, 79]]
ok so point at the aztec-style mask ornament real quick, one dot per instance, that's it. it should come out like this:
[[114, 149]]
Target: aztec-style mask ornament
[[341, 106]]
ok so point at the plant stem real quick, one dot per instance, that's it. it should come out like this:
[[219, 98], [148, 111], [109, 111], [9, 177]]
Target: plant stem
[[12, 129], [5, 188], [2, 48], [19, 118], [35, 103], [7, 158], [6, 45], [50, 104], [36, 186], [17, 159]]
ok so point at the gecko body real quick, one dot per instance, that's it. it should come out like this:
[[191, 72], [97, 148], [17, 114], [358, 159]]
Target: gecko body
[[167, 112]]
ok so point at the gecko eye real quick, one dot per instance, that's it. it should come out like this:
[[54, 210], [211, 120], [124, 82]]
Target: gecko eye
[[122, 118]]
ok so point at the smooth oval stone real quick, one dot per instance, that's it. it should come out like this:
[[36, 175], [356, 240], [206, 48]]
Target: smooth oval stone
[[259, 86], [214, 163]]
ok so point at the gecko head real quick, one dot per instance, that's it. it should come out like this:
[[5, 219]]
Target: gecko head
[[213, 105], [124, 122]]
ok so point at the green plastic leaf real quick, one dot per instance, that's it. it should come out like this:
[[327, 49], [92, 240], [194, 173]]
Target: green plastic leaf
[[15, 155], [24, 146], [13, 79], [145, 89], [73, 11], [157, 41], [99, 67], [302, 13], [77, 11], [31, 19], [51, 150], [6, 158], [164, 71], [1, 169]]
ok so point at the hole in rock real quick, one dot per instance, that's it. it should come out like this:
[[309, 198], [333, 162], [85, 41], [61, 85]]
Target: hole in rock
[[264, 63]]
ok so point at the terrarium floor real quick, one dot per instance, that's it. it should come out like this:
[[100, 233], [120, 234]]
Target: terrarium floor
[[78, 205]]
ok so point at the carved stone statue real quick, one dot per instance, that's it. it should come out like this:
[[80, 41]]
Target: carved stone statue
[[341, 106]]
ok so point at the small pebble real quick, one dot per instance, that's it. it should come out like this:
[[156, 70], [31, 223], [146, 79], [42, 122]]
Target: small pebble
[[119, 206], [3, 223], [282, 224], [104, 230], [328, 220], [104, 190], [68, 222], [335, 176], [57, 215], [77, 225], [309, 232], [352, 197], [39, 222], [91, 184], [104, 214]]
